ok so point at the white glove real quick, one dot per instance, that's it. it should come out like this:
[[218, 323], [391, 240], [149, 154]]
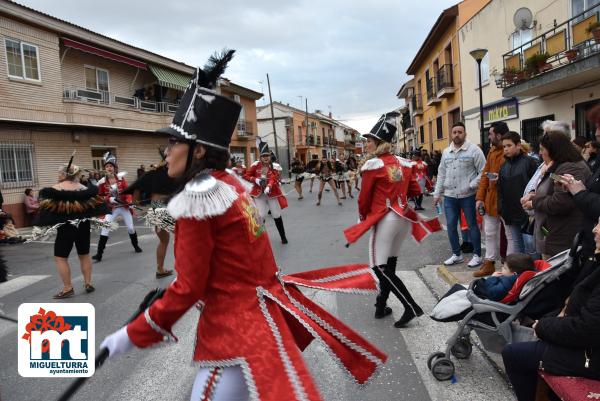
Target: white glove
[[267, 190], [112, 200], [117, 343], [257, 181]]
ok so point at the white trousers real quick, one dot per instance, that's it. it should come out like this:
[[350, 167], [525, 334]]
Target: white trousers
[[491, 229], [127, 218], [220, 384], [264, 204], [387, 237]]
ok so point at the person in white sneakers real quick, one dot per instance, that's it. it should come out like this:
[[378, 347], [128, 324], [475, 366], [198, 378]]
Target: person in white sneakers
[[458, 178]]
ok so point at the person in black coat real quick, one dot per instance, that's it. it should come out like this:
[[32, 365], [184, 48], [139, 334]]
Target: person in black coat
[[513, 177], [568, 345]]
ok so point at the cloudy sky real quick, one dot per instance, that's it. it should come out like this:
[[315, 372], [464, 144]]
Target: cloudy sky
[[346, 56]]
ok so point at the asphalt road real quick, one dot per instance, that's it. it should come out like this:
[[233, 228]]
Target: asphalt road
[[316, 240]]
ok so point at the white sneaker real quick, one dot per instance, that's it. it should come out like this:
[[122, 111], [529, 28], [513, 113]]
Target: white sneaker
[[475, 261], [454, 259]]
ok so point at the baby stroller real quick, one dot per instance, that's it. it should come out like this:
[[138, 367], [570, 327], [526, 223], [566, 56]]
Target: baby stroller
[[494, 322]]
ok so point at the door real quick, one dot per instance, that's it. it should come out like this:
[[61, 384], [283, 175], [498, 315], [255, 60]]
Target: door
[[531, 129]]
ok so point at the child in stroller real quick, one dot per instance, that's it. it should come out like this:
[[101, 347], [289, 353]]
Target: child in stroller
[[532, 295]]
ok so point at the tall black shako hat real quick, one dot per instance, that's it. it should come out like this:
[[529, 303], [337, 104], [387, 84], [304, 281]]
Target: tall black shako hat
[[385, 128], [109, 158], [263, 147], [204, 116]]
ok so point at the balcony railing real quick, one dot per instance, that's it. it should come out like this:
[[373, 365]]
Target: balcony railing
[[76, 94], [445, 79], [431, 89], [417, 103], [565, 43]]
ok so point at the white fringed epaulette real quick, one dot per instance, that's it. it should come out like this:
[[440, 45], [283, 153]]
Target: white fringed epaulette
[[405, 162], [277, 166], [372, 164], [255, 163], [101, 181], [121, 174], [203, 197], [246, 184]]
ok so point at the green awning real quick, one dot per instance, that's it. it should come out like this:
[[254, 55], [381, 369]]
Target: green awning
[[170, 78]]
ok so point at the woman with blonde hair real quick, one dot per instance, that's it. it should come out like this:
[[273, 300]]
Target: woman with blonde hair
[[68, 206], [388, 182]]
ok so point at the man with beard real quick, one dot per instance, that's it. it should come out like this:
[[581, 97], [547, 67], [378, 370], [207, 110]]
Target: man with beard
[[458, 178]]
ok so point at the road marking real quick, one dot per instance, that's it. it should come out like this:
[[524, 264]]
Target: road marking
[[424, 336], [19, 283]]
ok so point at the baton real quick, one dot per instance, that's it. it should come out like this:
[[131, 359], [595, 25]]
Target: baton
[[102, 356]]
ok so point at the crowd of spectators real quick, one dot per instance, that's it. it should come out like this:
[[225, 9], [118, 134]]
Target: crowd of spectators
[[540, 201]]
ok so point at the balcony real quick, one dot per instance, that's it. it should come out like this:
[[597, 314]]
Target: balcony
[[417, 104], [75, 94], [445, 81], [432, 97], [565, 57], [243, 128]]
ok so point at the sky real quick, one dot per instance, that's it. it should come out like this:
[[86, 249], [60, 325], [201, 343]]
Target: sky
[[345, 56]]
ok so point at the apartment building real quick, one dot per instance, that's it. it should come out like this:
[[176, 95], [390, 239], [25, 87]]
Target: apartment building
[[65, 88], [436, 68]]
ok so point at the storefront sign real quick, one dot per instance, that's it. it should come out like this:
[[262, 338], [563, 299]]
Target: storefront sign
[[500, 111]]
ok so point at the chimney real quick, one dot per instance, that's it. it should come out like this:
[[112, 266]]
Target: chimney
[[330, 115]]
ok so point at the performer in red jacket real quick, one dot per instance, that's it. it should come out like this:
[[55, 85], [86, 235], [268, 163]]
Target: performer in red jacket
[[111, 187], [387, 183], [254, 321], [264, 175], [420, 172]]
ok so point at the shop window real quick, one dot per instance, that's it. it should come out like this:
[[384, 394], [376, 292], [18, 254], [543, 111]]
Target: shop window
[[16, 164], [22, 60]]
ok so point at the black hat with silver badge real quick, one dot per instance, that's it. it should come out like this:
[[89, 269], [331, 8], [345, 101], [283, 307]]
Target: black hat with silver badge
[[205, 116], [385, 128]]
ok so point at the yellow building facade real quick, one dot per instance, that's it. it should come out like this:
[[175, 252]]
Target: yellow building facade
[[437, 98]]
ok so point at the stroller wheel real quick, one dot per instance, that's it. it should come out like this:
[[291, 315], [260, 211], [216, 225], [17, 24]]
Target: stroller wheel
[[462, 349], [433, 357], [442, 369]]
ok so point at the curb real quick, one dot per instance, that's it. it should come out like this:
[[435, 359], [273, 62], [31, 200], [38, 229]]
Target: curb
[[447, 276]]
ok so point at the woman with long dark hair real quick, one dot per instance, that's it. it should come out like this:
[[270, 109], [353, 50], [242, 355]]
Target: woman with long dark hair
[[557, 219], [254, 321]]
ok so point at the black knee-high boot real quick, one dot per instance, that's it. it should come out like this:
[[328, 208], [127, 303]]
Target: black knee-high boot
[[281, 229], [381, 308], [397, 287], [101, 245], [134, 241], [419, 202]]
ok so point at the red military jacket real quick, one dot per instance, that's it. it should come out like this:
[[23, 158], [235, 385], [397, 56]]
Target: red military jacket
[[272, 176], [388, 182], [104, 190], [420, 169], [252, 316]]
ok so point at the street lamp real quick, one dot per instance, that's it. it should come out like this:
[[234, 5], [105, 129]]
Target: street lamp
[[478, 55]]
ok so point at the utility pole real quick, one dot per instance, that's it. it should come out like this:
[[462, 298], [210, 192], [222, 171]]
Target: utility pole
[[273, 119], [306, 117]]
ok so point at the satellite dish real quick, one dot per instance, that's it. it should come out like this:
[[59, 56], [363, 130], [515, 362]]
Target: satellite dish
[[523, 18]]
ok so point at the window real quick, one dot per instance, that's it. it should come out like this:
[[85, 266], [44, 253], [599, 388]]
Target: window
[[22, 60], [96, 79], [422, 134], [16, 164], [439, 128], [579, 6], [520, 37], [485, 71]]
